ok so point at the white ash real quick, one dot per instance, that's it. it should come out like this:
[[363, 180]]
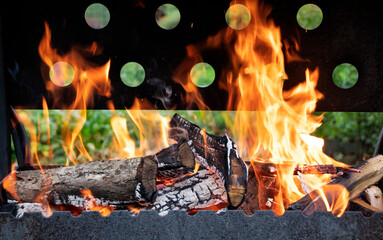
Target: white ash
[[269, 202], [229, 146], [304, 183], [194, 192], [31, 207]]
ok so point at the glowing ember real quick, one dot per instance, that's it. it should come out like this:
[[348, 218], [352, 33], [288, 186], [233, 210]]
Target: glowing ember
[[91, 204]]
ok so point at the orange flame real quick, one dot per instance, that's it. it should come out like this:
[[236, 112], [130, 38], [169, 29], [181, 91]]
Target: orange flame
[[279, 129], [124, 144], [85, 79], [271, 125], [91, 203], [334, 197], [134, 210], [9, 183], [152, 129]]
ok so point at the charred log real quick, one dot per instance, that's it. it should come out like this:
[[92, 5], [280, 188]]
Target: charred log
[[216, 153], [121, 180], [371, 171], [203, 190], [126, 180], [168, 180]]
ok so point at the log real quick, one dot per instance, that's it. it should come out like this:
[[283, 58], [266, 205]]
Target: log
[[371, 171], [216, 153], [252, 199], [168, 180], [176, 160], [121, 181], [203, 190], [124, 180], [263, 187]]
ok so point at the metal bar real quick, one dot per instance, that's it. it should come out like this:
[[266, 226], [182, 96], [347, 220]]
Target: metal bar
[[204, 225], [5, 149]]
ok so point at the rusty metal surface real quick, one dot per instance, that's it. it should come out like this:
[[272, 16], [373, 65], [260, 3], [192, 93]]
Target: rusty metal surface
[[203, 225], [350, 32]]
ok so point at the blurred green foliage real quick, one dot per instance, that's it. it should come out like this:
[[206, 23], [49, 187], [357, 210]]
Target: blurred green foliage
[[97, 134], [238, 16], [309, 16], [345, 75], [167, 16], [362, 128], [202, 74], [132, 74], [97, 16]]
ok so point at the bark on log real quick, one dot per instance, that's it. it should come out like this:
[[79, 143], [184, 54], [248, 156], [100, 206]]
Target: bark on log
[[371, 171], [117, 183], [121, 181], [216, 153], [126, 180], [204, 190]]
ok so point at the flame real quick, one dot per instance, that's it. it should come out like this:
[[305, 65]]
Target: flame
[[279, 129], [151, 128], [125, 144], [34, 135], [134, 210], [271, 124], [334, 197], [181, 75], [91, 204], [87, 79], [46, 118], [9, 183]]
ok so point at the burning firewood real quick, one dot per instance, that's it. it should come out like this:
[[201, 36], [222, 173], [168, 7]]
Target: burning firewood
[[217, 154], [203, 190], [168, 180], [263, 183], [370, 172], [119, 181], [124, 180]]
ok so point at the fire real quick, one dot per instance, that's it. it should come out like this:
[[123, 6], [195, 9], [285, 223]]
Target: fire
[[149, 127], [79, 77], [279, 129], [271, 125], [134, 210], [9, 183], [334, 198], [124, 143], [92, 204]]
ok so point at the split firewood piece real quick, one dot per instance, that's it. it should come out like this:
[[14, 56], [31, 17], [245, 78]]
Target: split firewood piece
[[203, 190], [176, 160], [323, 169], [124, 181], [216, 153], [120, 181], [374, 196], [268, 167], [371, 171]]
